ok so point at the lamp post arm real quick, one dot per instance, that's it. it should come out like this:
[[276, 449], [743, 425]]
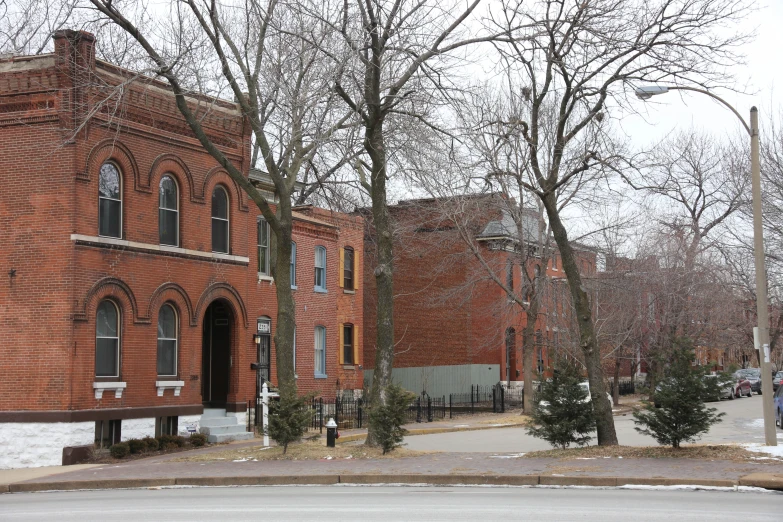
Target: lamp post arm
[[719, 99]]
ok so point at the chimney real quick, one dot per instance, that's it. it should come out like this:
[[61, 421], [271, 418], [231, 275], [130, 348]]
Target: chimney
[[75, 48]]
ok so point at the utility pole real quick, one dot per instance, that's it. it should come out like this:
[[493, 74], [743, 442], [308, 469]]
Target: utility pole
[[762, 310]]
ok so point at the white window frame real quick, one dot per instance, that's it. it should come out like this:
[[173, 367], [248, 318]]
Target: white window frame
[[119, 173], [263, 270], [175, 210], [293, 265], [319, 358], [227, 220], [316, 287], [175, 339], [118, 339]]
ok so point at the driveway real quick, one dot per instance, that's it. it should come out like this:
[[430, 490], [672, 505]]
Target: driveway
[[742, 423]]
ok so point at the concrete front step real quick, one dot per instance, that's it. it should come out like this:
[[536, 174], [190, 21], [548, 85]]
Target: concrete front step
[[228, 437], [219, 430], [213, 412], [211, 422]]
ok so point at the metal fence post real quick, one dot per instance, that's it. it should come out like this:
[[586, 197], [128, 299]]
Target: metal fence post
[[418, 409], [321, 414], [502, 400], [429, 408], [451, 411], [494, 407], [360, 413]]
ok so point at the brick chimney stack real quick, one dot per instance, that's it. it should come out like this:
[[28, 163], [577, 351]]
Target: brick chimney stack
[[75, 61], [74, 47]]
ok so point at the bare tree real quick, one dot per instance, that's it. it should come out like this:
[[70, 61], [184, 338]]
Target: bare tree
[[576, 58], [281, 85], [398, 58]]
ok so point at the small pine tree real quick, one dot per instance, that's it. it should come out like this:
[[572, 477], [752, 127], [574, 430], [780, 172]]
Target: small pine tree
[[682, 416], [289, 418], [387, 419], [562, 415]]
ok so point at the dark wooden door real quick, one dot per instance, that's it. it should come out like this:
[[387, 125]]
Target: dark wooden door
[[217, 354]]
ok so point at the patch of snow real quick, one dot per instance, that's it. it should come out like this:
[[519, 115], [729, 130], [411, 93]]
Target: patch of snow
[[500, 425], [240, 460], [588, 458], [462, 425], [512, 456], [774, 451]]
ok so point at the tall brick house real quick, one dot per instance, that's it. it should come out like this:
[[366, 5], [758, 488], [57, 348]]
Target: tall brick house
[[454, 326], [136, 271]]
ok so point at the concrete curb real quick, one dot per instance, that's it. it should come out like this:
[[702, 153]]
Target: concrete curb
[[763, 480], [21, 487]]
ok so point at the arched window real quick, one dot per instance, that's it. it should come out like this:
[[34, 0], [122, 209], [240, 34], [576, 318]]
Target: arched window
[[320, 269], [168, 212], [220, 220], [320, 352], [167, 341], [109, 201], [107, 340]]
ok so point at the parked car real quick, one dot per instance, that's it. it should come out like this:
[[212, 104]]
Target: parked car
[[754, 376], [543, 405], [741, 386], [776, 380], [726, 388], [778, 405]]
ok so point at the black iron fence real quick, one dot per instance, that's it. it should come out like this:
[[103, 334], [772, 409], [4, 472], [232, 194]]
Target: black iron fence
[[351, 413], [347, 413], [626, 387]]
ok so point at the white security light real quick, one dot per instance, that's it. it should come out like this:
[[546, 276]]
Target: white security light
[[648, 91]]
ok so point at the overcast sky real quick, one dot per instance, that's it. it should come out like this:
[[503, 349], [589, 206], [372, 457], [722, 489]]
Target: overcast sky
[[761, 78]]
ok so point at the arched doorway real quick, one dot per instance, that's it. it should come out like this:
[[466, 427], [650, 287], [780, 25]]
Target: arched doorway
[[216, 354]]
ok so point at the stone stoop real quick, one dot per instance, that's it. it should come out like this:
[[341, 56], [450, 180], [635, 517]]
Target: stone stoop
[[219, 427]]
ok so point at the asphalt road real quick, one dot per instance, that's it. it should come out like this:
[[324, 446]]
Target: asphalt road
[[334, 503], [743, 423]]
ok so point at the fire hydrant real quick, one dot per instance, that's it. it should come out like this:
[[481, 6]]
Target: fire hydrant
[[331, 433]]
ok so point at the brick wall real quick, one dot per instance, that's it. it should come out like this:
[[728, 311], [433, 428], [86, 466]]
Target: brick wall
[[49, 229]]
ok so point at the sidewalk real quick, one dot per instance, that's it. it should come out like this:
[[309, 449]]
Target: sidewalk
[[434, 468]]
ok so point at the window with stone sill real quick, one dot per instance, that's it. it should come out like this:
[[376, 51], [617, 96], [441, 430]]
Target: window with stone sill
[[107, 340], [167, 341], [110, 201], [220, 221], [319, 368]]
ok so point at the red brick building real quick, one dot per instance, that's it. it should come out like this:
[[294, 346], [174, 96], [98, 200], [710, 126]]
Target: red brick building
[[136, 269], [454, 325]]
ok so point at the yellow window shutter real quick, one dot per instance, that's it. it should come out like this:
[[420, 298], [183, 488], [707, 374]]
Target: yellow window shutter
[[340, 349], [356, 273], [342, 268], [356, 345]]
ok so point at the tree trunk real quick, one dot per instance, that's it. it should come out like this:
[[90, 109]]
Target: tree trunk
[[607, 435], [528, 353], [616, 387], [286, 311], [384, 341]]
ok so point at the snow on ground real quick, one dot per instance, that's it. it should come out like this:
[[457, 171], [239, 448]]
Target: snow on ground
[[775, 452]]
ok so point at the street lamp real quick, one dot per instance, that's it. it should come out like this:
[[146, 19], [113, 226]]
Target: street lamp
[[647, 92]]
